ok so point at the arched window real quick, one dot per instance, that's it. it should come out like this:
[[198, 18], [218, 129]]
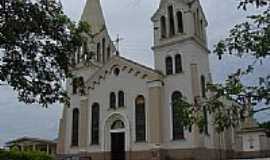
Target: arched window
[[180, 21], [112, 100], [140, 119], [203, 86], [79, 55], [121, 99], [201, 27], [178, 129], [81, 86], [103, 49], [98, 52], [178, 63], [163, 27], [74, 86], [73, 59], [85, 51], [95, 124], [169, 66], [198, 22], [75, 127], [171, 20], [108, 52], [205, 112]]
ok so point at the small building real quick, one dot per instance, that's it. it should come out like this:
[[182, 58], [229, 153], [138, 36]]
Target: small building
[[254, 141], [33, 144]]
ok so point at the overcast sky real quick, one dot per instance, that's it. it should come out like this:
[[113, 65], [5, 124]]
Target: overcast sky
[[131, 20]]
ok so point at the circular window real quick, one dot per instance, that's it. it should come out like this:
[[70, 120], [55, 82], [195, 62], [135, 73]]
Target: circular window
[[116, 71]]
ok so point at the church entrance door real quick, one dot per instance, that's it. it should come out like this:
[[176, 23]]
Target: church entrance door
[[118, 146]]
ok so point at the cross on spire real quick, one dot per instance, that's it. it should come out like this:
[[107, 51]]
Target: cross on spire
[[117, 43]]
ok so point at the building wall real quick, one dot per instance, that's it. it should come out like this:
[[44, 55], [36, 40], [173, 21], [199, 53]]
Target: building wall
[[194, 52], [264, 142], [251, 141], [132, 88], [181, 82]]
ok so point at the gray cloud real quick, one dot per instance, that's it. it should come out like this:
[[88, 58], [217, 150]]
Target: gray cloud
[[130, 19]]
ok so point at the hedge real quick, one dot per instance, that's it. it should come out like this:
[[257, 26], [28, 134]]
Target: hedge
[[18, 155]]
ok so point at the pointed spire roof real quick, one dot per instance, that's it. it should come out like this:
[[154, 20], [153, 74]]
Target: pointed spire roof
[[93, 15], [162, 2], [250, 122]]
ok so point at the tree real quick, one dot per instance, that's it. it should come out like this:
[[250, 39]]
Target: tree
[[252, 39], [26, 155], [265, 125], [36, 42]]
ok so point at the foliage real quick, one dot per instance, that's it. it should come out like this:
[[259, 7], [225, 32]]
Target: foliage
[[36, 42], [248, 39], [265, 125], [233, 101], [184, 110], [17, 155]]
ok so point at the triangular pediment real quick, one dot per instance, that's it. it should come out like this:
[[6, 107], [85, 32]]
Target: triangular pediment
[[124, 65]]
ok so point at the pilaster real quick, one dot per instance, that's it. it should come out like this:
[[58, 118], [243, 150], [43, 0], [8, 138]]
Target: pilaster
[[154, 118], [83, 125], [62, 133]]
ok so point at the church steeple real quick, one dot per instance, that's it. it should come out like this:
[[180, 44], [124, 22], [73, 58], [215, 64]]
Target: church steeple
[[177, 23], [100, 46], [179, 19], [93, 15]]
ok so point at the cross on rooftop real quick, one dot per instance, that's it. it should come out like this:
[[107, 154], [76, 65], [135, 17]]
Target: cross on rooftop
[[117, 43]]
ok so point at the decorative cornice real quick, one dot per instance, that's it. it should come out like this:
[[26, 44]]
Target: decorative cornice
[[130, 67], [156, 83], [174, 41]]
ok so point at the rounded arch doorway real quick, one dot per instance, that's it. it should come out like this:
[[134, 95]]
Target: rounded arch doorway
[[118, 140]]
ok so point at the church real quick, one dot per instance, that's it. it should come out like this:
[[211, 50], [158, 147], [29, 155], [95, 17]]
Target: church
[[123, 110]]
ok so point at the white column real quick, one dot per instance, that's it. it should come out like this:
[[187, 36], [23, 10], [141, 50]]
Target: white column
[[34, 147], [22, 147], [154, 112], [48, 148]]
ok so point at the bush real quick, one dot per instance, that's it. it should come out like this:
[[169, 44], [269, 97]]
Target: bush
[[17, 155]]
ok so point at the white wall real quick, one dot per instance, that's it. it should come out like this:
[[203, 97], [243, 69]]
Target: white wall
[[255, 141], [132, 87]]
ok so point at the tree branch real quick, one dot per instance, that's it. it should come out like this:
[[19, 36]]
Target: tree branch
[[261, 109]]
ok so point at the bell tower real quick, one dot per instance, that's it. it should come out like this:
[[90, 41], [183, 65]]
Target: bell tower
[[181, 54], [176, 22]]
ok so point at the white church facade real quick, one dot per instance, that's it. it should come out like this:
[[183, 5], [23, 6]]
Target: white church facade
[[125, 110]]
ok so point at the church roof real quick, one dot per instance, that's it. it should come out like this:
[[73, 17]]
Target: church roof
[[94, 16], [30, 139], [140, 65], [138, 70]]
